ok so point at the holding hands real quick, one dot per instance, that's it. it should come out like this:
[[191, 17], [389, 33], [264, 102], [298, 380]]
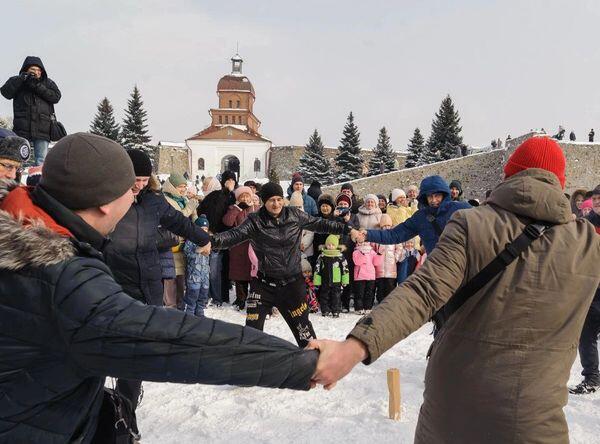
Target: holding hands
[[205, 250], [336, 359], [358, 236]]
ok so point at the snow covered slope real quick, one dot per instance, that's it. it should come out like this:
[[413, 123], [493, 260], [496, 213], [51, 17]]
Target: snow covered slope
[[355, 411]]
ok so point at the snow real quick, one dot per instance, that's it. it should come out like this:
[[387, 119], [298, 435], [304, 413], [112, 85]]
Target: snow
[[355, 411]]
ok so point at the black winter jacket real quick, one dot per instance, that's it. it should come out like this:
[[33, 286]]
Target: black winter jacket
[[132, 255], [214, 206], [65, 325], [276, 241], [32, 101]]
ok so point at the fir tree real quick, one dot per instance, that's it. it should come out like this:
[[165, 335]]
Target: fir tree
[[273, 176], [104, 122], [430, 153], [383, 158], [445, 132], [134, 131], [349, 162], [416, 147], [313, 163]]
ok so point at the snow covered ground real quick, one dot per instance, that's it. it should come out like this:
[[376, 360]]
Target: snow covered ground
[[355, 411]]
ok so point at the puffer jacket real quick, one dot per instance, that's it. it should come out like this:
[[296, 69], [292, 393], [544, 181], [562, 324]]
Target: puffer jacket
[[499, 367], [197, 265], [399, 214], [390, 255], [418, 224], [32, 101], [276, 241], [70, 325], [132, 255], [365, 260], [368, 219]]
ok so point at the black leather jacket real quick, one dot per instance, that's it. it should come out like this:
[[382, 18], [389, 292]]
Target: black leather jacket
[[276, 241]]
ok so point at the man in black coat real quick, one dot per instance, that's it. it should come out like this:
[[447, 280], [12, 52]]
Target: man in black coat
[[65, 324], [33, 95], [214, 206], [275, 233]]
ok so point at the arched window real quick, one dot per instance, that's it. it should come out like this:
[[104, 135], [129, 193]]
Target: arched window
[[226, 119], [238, 103], [230, 104], [240, 120], [256, 166], [201, 164], [220, 119]]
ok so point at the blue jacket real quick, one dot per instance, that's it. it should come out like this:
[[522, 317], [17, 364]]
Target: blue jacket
[[197, 268], [310, 206], [418, 224]]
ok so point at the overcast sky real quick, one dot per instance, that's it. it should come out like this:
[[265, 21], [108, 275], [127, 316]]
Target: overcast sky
[[508, 65]]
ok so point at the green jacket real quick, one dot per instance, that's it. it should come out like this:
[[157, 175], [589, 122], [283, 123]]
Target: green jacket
[[331, 269]]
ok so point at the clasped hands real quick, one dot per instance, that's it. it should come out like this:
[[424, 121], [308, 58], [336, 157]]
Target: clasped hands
[[336, 360], [358, 236], [205, 250]]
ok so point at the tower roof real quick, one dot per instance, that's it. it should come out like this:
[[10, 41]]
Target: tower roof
[[230, 82]]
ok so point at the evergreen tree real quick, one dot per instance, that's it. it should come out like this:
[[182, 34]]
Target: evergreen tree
[[349, 162], [416, 148], [134, 131], [273, 176], [383, 159], [313, 163], [445, 136], [104, 122]]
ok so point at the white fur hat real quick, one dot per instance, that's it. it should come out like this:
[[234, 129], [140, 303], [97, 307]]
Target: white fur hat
[[396, 193]]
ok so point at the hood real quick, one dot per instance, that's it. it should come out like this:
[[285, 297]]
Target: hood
[[535, 194], [26, 240], [169, 188], [33, 60], [430, 185]]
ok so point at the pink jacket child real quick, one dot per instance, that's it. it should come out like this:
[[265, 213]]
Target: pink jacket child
[[390, 255], [365, 260]]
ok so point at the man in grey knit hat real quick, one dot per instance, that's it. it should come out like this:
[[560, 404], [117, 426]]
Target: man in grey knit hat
[[14, 150]]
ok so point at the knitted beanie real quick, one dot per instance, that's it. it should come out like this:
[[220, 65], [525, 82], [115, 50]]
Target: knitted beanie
[[84, 170], [296, 200], [227, 175], [241, 190], [596, 191], [343, 198], [13, 147], [269, 190], [385, 220], [347, 186], [587, 204], [538, 152], [202, 221], [177, 179], [296, 177], [141, 163], [333, 239], [396, 193], [372, 197]]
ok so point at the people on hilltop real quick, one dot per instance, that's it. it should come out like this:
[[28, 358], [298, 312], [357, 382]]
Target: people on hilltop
[[591, 135], [34, 95]]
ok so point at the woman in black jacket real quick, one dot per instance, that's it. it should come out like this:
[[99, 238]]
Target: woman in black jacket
[[33, 95]]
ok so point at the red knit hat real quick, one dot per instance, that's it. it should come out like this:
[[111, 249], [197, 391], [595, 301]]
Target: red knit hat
[[538, 152]]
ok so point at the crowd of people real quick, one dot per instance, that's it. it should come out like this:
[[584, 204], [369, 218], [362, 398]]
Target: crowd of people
[[106, 271]]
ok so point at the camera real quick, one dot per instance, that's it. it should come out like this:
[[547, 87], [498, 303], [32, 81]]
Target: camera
[[343, 210]]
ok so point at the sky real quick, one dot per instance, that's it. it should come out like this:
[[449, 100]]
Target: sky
[[509, 66]]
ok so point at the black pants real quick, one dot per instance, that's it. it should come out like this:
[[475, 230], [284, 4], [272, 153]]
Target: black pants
[[130, 389], [225, 282], [384, 286], [588, 345], [330, 298], [347, 291], [364, 293], [241, 291], [290, 299]]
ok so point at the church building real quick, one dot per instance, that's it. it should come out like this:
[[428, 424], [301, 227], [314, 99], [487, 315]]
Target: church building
[[232, 141]]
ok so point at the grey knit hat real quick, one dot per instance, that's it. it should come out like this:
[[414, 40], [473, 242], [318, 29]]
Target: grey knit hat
[[84, 170], [13, 147]]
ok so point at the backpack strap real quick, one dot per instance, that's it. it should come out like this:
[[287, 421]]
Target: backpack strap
[[512, 251]]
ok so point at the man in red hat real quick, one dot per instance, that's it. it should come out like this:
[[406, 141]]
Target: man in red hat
[[498, 369]]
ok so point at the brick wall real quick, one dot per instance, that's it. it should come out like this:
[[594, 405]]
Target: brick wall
[[169, 159]]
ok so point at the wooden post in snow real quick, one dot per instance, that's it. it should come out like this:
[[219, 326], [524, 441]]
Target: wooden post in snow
[[393, 381]]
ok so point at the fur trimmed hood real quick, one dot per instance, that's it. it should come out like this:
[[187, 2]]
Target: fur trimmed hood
[[26, 241]]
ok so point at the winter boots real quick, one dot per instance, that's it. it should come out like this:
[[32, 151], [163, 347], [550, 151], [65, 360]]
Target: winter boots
[[585, 387]]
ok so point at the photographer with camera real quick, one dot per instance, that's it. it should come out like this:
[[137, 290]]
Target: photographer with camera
[[33, 95]]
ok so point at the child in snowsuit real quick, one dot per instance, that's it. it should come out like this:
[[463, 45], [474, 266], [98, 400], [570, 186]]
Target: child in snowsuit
[[409, 258], [386, 272], [311, 294], [331, 274], [365, 259], [196, 275]]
